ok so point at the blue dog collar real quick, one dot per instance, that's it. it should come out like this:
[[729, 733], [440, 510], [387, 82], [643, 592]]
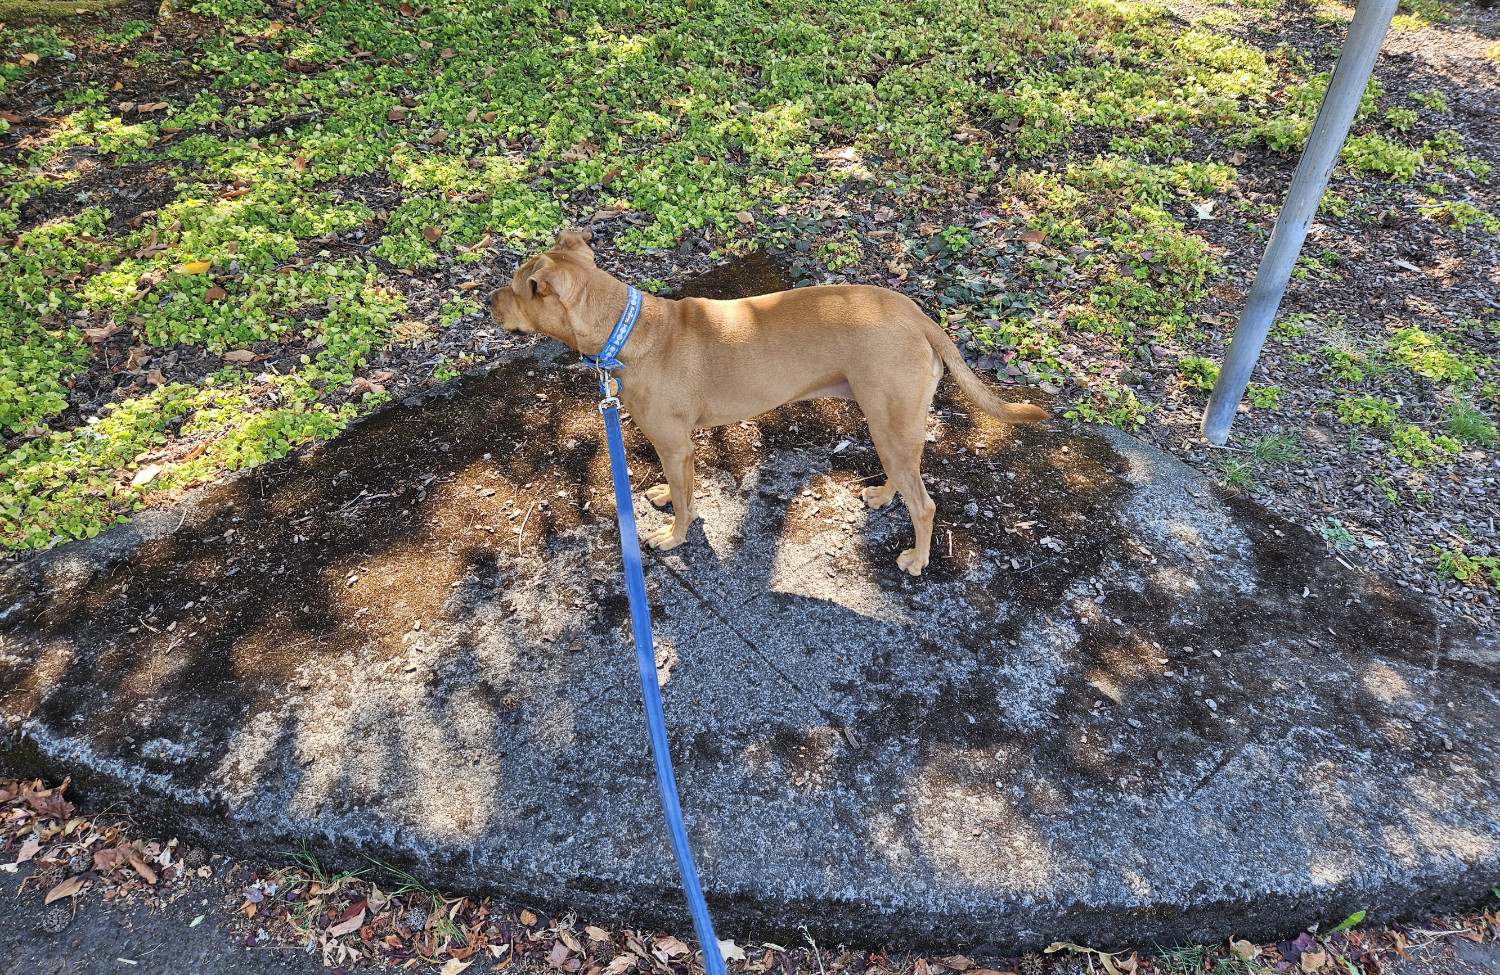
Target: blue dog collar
[[607, 361]]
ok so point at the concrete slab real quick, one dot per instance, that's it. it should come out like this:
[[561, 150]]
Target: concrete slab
[[1118, 708]]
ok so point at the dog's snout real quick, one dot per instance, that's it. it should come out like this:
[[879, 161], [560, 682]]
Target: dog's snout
[[491, 301]]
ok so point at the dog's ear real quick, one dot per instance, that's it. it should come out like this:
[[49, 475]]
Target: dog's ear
[[546, 279], [574, 240]]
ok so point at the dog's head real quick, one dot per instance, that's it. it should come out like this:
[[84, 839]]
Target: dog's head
[[554, 293]]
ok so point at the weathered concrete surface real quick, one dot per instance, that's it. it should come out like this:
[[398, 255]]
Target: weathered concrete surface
[[1117, 708]]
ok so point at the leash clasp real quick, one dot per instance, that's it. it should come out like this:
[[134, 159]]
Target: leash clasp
[[610, 387]]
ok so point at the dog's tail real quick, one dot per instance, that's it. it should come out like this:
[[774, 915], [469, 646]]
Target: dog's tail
[[972, 385]]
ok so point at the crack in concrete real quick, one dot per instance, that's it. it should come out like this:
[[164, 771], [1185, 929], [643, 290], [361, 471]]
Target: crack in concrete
[[1223, 763]]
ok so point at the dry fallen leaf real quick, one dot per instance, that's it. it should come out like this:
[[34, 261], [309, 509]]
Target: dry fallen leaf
[[349, 926], [671, 947], [453, 966], [241, 356], [29, 849], [396, 114], [68, 888], [528, 918], [140, 867], [215, 293], [97, 335], [447, 52], [298, 163], [1313, 961], [438, 138], [469, 285], [1033, 236], [1244, 950], [731, 951], [145, 476], [559, 955], [597, 933], [155, 378], [745, 216], [50, 802], [433, 234], [107, 859], [621, 964]]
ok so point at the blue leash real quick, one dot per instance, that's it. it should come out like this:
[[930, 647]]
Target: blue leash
[[640, 624]]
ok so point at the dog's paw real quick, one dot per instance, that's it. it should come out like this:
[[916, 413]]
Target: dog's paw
[[877, 497], [664, 539], [909, 562], [659, 495]]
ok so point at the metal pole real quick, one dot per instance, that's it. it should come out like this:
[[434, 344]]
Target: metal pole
[[1345, 89]]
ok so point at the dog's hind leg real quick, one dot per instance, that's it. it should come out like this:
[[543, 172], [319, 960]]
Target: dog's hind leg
[[901, 455], [898, 425], [675, 449]]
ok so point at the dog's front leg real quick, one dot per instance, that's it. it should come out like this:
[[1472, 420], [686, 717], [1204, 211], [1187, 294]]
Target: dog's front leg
[[675, 449]]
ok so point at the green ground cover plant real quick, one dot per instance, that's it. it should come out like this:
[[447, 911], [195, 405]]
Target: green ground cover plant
[[493, 125], [1475, 570], [1366, 411]]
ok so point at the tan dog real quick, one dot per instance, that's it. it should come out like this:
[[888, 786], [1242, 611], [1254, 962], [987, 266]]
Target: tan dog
[[695, 363]]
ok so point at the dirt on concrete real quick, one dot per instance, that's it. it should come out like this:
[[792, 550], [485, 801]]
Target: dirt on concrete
[[1118, 705]]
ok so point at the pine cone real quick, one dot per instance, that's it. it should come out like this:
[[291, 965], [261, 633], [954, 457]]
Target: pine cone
[[56, 919], [195, 857], [1033, 964], [416, 919]]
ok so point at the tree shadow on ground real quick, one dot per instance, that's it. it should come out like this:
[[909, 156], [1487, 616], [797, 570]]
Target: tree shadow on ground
[[412, 643]]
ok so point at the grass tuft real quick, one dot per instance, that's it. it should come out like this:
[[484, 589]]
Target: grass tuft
[[1465, 422], [1278, 448]]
